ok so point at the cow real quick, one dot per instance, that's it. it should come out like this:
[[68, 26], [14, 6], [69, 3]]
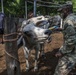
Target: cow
[[43, 22], [31, 38]]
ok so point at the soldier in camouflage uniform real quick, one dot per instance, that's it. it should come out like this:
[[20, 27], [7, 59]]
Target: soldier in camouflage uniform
[[67, 52]]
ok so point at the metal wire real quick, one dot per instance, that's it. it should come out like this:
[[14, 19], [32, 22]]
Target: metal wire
[[45, 5], [47, 2]]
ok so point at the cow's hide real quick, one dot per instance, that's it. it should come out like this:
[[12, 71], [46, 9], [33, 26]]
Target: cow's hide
[[32, 36]]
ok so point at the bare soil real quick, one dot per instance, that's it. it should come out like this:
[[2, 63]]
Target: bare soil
[[46, 67]]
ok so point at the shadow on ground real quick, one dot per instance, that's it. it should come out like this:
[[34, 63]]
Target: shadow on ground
[[3, 73], [46, 67]]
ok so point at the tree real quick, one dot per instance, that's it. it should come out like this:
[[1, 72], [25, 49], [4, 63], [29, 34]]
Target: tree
[[17, 7], [74, 5], [14, 7]]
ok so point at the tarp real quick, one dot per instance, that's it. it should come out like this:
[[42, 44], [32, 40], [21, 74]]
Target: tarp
[[1, 22]]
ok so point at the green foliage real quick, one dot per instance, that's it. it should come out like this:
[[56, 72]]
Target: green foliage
[[17, 7], [14, 7], [74, 5]]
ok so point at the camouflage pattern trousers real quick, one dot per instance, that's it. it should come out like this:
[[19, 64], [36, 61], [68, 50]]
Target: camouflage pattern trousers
[[65, 65]]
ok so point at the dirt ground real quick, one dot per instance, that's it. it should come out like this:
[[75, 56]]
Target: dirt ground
[[46, 67]]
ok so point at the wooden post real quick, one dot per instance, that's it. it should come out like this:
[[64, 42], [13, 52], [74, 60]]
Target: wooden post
[[11, 51]]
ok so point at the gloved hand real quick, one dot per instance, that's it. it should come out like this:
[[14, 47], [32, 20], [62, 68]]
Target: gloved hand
[[56, 27]]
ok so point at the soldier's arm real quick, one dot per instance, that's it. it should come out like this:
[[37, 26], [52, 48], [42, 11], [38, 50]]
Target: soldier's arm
[[63, 50], [70, 42]]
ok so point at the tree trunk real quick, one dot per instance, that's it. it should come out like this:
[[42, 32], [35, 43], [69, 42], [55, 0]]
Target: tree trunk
[[11, 50]]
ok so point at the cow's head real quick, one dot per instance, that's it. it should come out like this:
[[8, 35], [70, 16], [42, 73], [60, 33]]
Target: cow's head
[[36, 33]]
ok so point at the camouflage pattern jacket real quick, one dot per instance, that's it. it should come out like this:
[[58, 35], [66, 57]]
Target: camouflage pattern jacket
[[69, 33]]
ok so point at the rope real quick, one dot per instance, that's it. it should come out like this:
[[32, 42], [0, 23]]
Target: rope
[[12, 56], [10, 40], [10, 34]]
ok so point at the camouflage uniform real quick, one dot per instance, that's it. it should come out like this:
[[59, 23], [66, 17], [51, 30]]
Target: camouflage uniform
[[67, 62]]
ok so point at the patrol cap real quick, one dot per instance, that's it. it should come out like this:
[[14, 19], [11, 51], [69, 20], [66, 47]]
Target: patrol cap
[[65, 6]]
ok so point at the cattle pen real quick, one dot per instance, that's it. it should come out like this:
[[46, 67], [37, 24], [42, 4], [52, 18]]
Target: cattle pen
[[12, 59]]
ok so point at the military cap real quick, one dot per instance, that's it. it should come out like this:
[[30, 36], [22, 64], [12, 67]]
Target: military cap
[[64, 6]]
